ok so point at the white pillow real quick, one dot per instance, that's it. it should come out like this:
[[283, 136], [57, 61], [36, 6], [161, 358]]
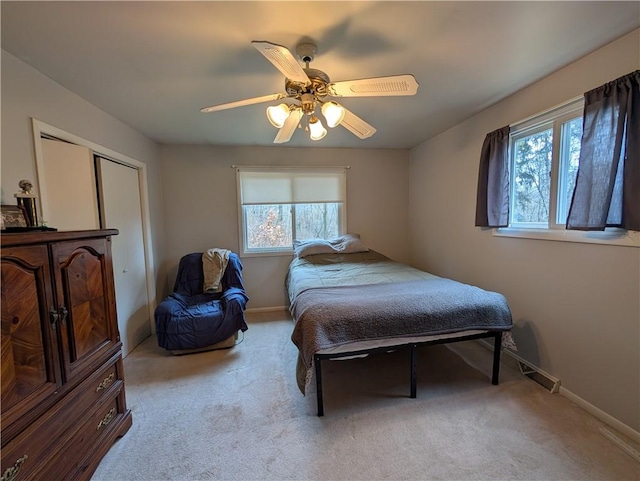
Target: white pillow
[[347, 244]]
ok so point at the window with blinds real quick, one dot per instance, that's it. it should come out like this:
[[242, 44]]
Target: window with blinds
[[281, 204]]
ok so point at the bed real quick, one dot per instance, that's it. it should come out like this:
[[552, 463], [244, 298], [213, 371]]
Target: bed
[[348, 301]]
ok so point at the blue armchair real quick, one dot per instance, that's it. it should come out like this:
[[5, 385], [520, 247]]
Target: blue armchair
[[190, 319]]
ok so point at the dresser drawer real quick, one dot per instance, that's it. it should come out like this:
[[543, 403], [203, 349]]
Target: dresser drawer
[[96, 425], [41, 441], [97, 385], [63, 457]]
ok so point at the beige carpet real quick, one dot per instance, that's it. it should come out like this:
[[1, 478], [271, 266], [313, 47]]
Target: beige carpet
[[238, 414]]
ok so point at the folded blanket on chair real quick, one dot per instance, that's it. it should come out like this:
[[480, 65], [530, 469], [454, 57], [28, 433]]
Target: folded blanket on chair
[[214, 262]]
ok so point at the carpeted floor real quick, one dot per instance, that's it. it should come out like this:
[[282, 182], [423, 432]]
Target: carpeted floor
[[238, 414]]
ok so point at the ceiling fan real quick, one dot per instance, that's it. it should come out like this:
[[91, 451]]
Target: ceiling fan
[[310, 87]]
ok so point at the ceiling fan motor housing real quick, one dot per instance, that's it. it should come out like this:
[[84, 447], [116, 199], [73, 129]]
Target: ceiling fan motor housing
[[318, 86], [307, 93]]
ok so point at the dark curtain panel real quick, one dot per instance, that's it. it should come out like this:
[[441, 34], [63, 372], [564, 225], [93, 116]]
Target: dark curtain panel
[[607, 191], [492, 206]]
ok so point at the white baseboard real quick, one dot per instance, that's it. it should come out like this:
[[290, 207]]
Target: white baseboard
[[601, 415], [598, 413]]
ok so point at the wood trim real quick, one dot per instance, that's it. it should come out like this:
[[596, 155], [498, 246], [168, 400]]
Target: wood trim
[[41, 128], [38, 237]]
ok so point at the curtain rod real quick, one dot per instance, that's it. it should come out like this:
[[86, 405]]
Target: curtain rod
[[234, 166]]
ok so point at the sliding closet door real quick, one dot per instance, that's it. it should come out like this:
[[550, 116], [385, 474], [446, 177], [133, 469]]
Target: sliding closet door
[[121, 209], [67, 185]]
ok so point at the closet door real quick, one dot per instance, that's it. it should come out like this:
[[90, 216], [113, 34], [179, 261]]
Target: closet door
[[121, 209], [67, 184]]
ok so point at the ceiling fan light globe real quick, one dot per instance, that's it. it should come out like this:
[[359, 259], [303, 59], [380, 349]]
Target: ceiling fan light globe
[[333, 113], [277, 114], [316, 129]]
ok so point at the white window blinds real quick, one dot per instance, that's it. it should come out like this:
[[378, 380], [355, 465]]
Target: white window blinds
[[291, 185]]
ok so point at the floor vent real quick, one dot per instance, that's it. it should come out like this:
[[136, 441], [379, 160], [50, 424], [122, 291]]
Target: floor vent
[[544, 379]]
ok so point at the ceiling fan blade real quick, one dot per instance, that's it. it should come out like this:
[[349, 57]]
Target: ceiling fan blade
[[286, 131], [356, 125], [242, 103], [375, 87], [283, 60]]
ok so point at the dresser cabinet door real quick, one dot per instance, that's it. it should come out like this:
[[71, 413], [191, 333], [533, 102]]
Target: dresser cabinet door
[[86, 298], [30, 368]]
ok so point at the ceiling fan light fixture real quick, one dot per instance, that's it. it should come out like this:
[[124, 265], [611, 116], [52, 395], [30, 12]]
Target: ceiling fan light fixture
[[306, 89], [333, 113], [277, 114], [316, 129]]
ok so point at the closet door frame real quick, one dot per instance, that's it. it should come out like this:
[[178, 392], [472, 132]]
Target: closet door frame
[[41, 129]]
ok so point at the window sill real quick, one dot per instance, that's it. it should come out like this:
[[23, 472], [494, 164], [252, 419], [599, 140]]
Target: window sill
[[267, 253], [612, 237]]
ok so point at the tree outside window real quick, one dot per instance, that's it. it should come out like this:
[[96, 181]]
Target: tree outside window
[[545, 153]]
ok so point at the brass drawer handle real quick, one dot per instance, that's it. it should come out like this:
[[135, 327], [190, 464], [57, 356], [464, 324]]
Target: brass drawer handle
[[107, 419], [106, 381], [11, 473]]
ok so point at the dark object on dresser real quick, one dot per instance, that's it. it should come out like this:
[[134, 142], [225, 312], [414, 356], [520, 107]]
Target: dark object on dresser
[[63, 396], [190, 319]]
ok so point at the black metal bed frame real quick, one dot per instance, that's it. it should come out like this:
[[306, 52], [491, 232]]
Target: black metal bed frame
[[318, 358]]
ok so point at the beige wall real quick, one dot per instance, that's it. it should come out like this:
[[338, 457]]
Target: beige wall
[[27, 94], [576, 307], [202, 212]]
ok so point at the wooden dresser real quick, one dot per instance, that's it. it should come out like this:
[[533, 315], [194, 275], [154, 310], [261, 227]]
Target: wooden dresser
[[63, 398]]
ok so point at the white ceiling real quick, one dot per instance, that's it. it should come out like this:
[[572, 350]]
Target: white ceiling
[[153, 64]]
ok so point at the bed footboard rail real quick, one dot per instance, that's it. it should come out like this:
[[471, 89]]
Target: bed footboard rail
[[413, 348]]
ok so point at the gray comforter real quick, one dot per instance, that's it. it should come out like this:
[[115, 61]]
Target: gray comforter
[[344, 298]]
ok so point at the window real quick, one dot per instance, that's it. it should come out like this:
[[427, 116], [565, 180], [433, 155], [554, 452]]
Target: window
[[544, 153], [279, 205], [530, 184]]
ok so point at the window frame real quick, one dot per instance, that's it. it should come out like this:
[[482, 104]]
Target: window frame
[[245, 251], [555, 117], [553, 120]]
